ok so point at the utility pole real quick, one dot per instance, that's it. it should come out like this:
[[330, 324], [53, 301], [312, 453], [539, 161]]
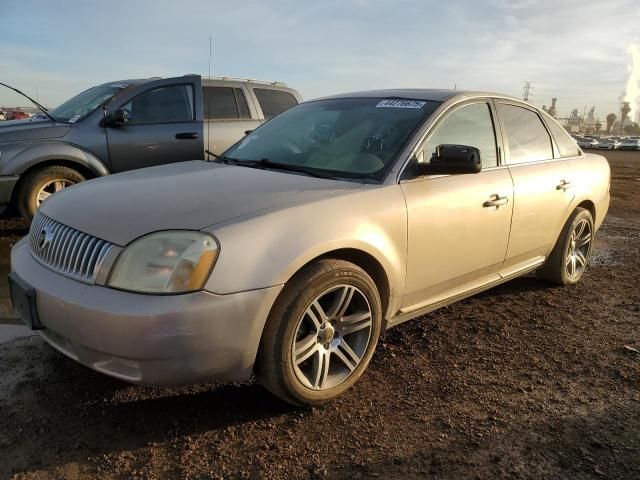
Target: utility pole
[[526, 90]]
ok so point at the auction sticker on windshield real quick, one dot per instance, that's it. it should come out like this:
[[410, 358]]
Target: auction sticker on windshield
[[395, 103]]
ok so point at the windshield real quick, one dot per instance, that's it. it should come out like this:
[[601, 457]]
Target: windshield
[[86, 102], [346, 137]]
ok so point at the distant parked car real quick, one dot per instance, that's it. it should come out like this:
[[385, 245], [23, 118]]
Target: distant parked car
[[2, 115], [16, 115], [292, 252], [130, 124], [609, 144], [588, 143], [630, 144]]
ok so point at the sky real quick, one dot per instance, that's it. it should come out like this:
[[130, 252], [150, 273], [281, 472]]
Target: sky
[[578, 51]]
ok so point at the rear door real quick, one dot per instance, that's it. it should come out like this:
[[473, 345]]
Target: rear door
[[164, 125], [228, 115], [542, 185]]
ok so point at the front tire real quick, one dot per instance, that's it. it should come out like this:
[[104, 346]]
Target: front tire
[[568, 259], [37, 186], [321, 333]]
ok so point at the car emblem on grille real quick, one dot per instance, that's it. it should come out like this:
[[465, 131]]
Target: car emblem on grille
[[45, 238]]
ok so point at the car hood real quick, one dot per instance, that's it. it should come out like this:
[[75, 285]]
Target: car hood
[[29, 129], [188, 195]]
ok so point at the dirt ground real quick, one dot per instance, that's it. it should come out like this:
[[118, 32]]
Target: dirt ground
[[524, 381]]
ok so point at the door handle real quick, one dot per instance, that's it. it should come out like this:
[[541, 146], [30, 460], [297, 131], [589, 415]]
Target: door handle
[[563, 185], [495, 201], [186, 136]]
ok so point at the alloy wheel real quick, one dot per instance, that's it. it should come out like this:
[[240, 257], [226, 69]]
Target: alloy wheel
[[579, 248], [331, 337], [50, 188]]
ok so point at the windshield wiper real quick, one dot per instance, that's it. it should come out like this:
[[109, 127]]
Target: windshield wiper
[[222, 158], [266, 163], [40, 107]]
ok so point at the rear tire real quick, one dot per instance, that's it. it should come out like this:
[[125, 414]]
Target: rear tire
[[321, 333], [40, 184], [568, 259]]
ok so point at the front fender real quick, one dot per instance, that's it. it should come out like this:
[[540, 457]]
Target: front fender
[[16, 158]]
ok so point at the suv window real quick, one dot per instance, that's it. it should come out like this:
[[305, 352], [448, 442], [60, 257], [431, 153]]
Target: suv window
[[173, 103], [224, 103], [470, 125], [274, 102], [567, 147], [527, 138]]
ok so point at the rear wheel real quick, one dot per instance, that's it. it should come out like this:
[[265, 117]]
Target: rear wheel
[[41, 184], [321, 333], [568, 259]]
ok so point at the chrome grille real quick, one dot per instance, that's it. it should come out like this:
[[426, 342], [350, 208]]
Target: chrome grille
[[66, 250]]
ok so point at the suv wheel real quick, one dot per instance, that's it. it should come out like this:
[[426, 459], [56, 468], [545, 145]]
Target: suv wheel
[[568, 259], [321, 333], [41, 184]]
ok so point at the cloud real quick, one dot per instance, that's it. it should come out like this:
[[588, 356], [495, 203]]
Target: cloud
[[573, 50]]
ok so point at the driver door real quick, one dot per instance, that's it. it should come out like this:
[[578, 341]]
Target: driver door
[[458, 225], [164, 125]]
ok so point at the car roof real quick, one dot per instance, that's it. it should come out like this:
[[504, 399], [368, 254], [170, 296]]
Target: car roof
[[428, 94]]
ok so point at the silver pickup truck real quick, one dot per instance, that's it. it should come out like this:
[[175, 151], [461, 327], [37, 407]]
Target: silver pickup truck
[[126, 125]]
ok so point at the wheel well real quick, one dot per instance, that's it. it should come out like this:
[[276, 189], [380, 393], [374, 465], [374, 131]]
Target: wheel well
[[589, 205], [84, 171], [369, 264]]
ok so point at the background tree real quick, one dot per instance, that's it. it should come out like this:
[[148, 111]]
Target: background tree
[[611, 118], [598, 127], [625, 111], [632, 129]]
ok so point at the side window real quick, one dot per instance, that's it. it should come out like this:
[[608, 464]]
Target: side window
[[528, 140], [161, 105], [273, 102], [470, 125], [566, 145], [224, 103]]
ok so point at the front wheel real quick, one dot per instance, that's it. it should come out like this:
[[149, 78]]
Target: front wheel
[[37, 186], [321, 333], [568, 259]]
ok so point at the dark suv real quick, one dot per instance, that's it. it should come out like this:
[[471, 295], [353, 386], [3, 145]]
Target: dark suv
[[129, 124]]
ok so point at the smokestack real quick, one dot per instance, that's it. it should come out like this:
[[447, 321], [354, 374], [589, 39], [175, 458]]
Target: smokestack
[[632, 89], [552, 108]]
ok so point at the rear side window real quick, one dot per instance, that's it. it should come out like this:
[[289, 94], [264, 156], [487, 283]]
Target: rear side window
[[470, 125], [161, 105], [273, 102], [566, 145], [225, 103], [527, 138]]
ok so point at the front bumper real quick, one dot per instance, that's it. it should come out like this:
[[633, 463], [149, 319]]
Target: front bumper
[[148, 339], [602, 207]]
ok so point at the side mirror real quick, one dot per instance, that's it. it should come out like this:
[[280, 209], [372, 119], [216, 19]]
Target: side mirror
[[247, 132], [452, 159], [116, 118]]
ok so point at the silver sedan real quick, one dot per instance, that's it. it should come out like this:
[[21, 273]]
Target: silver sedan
[[293, 252]]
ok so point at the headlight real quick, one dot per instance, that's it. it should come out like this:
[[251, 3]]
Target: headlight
[[165, 262]]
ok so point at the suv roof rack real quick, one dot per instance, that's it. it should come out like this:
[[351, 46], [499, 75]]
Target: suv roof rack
[[240, 79]]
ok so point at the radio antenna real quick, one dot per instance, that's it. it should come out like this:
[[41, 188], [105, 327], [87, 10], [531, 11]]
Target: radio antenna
[[209, 99]]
